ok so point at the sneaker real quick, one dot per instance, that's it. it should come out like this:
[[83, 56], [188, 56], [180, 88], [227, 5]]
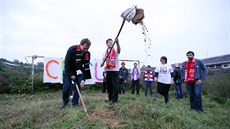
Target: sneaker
[[71, 97], [75, 106], [62, 106], [108, 101], [200, 111], [113, 102]]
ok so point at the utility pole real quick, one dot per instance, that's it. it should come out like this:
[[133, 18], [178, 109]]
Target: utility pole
[[32, 75]]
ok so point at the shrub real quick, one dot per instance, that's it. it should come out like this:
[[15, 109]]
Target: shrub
[[19, 80], [217, 84]]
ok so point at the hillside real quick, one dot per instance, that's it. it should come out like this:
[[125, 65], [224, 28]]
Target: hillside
[[16, 76]]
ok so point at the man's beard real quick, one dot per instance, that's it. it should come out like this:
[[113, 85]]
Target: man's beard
[[190, 58]]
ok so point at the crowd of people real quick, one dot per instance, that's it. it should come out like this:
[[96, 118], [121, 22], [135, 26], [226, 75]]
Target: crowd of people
[[192, 72]]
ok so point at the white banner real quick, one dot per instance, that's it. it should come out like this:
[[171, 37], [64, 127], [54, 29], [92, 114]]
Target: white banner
[[53, 68], [96, 70]]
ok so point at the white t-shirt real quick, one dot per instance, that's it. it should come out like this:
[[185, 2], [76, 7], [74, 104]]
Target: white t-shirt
[[116, 62], [164, 73]]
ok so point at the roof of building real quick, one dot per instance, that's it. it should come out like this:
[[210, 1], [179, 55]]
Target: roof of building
[[217, 60]]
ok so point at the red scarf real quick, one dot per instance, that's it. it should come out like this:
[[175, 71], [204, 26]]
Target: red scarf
[[111, 60], [190, 71]]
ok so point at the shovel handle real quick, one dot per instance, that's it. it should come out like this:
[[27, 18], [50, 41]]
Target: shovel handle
[[123, 22], [83, 104]]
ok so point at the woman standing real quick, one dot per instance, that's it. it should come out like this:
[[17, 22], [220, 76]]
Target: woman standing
[[164, 78]]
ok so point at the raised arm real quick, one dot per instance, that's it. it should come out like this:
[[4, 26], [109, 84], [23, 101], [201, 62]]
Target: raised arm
[[118, 45]]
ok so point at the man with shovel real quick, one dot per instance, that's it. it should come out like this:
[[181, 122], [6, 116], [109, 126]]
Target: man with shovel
[[111, 55], [77, 69], [112, 70]]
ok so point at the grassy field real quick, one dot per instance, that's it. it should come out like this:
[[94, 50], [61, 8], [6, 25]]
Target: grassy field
[[131, 112]]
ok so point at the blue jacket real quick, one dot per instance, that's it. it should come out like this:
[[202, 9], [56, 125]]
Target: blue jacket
[[200, 70]]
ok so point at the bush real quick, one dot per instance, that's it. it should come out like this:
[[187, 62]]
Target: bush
[[40, 86], [217, 84], [19, 80]]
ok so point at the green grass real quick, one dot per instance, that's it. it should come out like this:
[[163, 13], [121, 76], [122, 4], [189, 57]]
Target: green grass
[[131, 112]]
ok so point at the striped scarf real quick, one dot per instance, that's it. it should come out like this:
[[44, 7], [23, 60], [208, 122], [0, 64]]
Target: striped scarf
[[148, 76]]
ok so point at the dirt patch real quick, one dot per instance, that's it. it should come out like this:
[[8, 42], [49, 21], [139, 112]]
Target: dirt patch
[[111, 122], [135, 108], [97, 115]]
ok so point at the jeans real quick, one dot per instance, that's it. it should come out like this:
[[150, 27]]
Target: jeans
[[148, 85], [194, 91], [67, 85], [179, 91]]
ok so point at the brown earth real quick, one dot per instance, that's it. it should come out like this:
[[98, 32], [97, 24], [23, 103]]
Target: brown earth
[[97, 115]]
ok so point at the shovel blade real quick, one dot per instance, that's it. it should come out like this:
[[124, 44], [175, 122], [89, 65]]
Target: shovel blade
[[136, 15], [129, 14]]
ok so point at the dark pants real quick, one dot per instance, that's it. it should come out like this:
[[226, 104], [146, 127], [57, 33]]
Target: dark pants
[[148, 85], [122, 86], [194, 92], [163, 89], [135, 84], [104, 87], [71, 91], [67, 85], [179, 91], [112, 85]]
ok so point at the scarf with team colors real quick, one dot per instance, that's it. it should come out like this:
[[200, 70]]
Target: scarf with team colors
[[190, 71], [111, 60], [148, 74]]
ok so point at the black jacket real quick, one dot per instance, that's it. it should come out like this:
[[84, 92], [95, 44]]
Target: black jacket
[[177, 76], [75, 60], [123, 73]]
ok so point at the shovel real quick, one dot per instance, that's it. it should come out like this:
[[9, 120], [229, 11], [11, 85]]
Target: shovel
[[83, 104], [131, 14]]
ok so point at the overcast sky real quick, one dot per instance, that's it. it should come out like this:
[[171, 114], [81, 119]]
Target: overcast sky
[[49, 27]]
